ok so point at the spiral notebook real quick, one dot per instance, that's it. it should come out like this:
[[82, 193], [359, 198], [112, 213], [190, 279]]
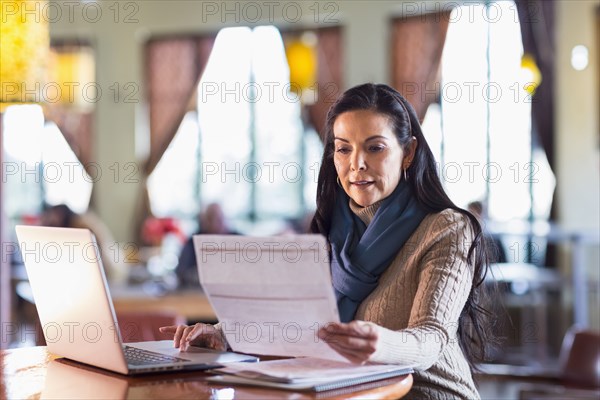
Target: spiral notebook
[[306, 373]]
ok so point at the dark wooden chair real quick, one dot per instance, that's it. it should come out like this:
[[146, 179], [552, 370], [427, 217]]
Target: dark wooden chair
[[579, 376]]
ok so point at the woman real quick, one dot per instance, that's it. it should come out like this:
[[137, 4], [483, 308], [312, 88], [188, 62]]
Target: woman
[[407, 264], [404, 257]]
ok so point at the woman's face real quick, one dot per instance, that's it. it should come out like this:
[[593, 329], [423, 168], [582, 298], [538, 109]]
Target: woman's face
[[367, 156]]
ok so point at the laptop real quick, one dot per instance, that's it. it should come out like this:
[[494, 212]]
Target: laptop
[[76, 311]]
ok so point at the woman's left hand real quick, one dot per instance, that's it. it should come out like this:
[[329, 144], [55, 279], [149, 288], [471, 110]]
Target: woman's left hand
[[356, 340]]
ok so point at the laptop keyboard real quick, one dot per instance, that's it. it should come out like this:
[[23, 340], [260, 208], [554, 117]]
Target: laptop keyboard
[[135, 356]]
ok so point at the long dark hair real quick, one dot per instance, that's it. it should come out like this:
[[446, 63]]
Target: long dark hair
[[428, 189]]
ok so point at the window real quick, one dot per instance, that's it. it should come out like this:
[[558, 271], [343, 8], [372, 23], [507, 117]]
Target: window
[[246, 147], [480, 134], [40, 166]]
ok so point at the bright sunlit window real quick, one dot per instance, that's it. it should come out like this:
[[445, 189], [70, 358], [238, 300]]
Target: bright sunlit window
[[173, 186], [65, 179], [252, 159]]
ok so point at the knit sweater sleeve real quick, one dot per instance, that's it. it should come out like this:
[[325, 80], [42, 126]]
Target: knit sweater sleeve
[[444, 282]]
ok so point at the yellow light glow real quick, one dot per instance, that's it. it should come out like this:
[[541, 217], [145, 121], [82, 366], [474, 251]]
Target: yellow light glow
[[302, 59], [24, 46], [531, 73], [71, 77]]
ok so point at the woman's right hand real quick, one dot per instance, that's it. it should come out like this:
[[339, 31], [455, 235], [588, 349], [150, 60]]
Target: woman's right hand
[[202, 335]]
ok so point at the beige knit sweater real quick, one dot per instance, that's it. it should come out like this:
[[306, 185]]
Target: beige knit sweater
[[418, 302]]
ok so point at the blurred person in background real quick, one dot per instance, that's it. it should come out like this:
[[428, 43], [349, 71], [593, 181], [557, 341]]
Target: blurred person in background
[[211, 220]]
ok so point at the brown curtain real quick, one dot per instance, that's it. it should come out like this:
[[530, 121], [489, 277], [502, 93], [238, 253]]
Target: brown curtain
[[173, 70], [417, 45], [77, 128], [536, 18], [537, 31], [330, 80], [75, 123]]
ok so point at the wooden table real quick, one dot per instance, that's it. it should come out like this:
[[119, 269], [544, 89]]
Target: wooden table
[[31, 373]]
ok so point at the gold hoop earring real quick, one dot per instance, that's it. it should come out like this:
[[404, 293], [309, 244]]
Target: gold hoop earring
[[338, 182]]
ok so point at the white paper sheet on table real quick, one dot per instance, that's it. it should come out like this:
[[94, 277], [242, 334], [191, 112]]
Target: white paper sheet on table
[[271, 294]]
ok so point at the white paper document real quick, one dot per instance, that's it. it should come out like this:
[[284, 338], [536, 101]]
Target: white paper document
[[271, 294], [306, 373]]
